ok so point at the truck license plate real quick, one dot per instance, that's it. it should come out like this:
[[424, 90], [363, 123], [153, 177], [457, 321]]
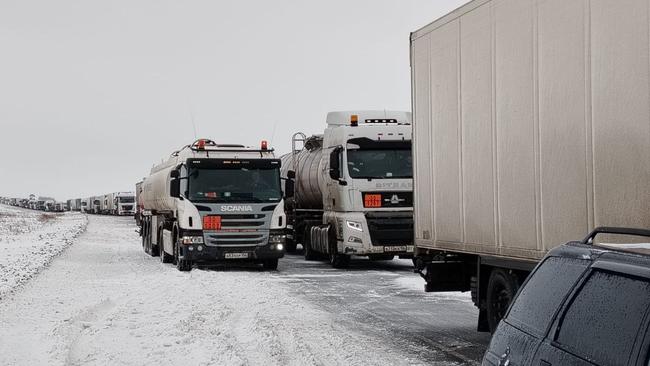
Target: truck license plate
[[394, 249], [236, 255]]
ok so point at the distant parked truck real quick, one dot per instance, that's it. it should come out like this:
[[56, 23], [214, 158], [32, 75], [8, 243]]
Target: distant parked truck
[[60, 207], [350, 191], [531, 127], [96, 204], [123, 203], [210, 202]]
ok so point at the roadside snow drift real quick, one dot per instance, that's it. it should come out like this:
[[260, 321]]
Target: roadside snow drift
[[29, 240]]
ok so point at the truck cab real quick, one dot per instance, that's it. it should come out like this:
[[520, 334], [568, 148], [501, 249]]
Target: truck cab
[[215, 202], [367, 188]]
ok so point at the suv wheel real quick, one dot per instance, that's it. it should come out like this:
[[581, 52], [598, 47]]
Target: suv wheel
[[502, 287]]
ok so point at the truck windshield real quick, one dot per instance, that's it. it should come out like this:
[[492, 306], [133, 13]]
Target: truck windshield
[[234, 184], [126, 199], [380, 163]]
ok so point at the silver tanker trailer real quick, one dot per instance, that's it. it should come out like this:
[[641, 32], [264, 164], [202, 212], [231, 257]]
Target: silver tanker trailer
[[210, 202]]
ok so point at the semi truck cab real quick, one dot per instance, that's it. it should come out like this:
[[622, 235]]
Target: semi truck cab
[[369, 194], [220, 203], [364, 175]]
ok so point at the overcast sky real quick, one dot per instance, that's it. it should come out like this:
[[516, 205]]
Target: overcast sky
[[93, 93]]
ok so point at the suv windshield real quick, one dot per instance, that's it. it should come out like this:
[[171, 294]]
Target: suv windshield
[[236, 184], [380, 163]]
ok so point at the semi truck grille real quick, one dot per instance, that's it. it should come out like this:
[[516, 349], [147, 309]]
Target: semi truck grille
[[390, 228], [239, 230], [235, 239]]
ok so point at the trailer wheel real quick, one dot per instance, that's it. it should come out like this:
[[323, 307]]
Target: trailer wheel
[[501, 289], [271, 264], [310, 255]]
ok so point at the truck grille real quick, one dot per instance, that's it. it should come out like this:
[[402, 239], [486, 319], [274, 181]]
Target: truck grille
[[390, 228], [239, 230]]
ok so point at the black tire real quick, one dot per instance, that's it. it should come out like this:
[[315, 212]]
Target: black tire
[[502, 288], [336, 259], [270, 264], [310, 254], [182, 265]]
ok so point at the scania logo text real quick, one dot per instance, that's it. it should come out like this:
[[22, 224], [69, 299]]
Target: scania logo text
[[231, 208]]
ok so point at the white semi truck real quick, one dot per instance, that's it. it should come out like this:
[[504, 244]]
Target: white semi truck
[[350, 190], [211, 202], [531, 128], [120, 203]]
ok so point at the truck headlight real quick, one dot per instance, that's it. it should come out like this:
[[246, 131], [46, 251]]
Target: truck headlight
[[189, 240], [354, 225], [277, 238]]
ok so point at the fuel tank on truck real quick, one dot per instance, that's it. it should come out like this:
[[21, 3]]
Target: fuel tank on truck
[[155, 189], [309, 178]]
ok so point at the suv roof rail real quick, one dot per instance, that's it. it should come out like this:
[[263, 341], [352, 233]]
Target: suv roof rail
[[614, 230]]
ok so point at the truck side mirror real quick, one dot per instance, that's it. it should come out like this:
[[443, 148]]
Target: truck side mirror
[[175, 173], [289, 188], [175, 188], [291, 174], [335, 168]]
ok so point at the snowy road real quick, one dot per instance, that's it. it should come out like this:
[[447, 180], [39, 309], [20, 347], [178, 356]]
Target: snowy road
[[105, 302]]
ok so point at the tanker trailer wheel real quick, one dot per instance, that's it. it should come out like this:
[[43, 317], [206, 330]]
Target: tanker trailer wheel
[[182, 265], [501, 289], [164, 257], [337, 260]]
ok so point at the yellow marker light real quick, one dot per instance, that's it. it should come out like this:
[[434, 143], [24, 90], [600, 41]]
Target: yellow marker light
[[354, 120]]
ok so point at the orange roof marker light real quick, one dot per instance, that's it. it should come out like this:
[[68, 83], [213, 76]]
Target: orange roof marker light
[[354, 120], [201, 144], [265, 145]]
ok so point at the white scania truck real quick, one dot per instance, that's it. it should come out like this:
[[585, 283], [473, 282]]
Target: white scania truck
[[350, 191], [210, 202], [531, 128]]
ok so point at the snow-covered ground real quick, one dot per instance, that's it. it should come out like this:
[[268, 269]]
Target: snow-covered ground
[[29, 240], [105, 302]]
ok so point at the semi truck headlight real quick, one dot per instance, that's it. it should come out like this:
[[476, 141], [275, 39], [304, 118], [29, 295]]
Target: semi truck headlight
[[279, 247], [354, 225], [189, 240], [277, 238]]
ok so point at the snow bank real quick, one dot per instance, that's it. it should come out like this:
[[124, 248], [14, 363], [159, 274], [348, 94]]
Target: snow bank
[[29, 240]]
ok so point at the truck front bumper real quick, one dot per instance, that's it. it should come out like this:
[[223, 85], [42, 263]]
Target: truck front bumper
[[208, 253]]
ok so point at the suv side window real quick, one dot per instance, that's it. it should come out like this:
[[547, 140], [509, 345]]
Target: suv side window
[[603, 319], [544, 291]]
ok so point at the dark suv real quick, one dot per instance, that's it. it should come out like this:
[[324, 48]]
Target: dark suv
[[584, 304]]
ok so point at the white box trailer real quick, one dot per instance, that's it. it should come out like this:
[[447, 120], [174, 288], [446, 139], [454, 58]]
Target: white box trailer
[[531, 127]]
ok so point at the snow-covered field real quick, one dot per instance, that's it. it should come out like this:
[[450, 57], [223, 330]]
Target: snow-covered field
[[104, 302], [29, 240]]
